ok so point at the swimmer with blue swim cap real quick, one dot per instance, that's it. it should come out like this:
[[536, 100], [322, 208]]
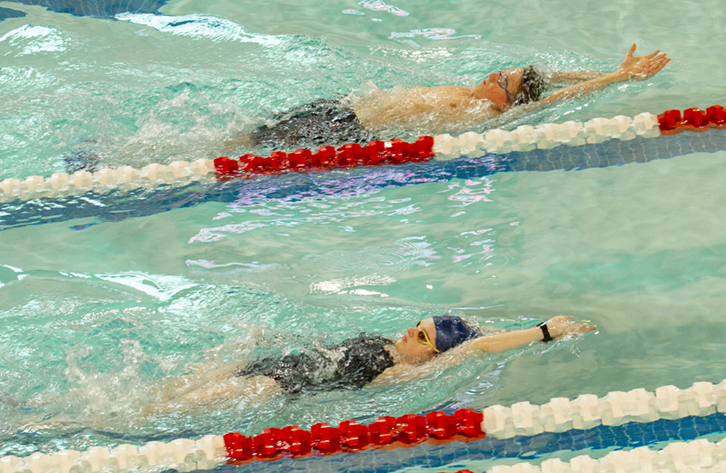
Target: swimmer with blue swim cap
[[354, 363], [374, 359], [364, 360], [435, 335], [368, 358]]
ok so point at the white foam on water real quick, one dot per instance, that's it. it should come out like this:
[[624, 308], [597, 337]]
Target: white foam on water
[[199, 26]]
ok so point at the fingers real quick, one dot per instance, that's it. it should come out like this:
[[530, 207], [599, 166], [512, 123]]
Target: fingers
[[654, 57], [657, 64], [661, 66], [654, 68]]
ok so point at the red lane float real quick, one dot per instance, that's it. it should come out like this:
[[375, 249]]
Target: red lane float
[[385, 433], [671, 122], [375, 153]]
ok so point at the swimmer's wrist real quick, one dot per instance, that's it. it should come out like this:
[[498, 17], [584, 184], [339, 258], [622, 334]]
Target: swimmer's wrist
[[546, 336], [619, 75]]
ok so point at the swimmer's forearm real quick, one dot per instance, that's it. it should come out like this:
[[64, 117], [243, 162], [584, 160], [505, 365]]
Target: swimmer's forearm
[[585, 87], [574, 76], [506, 341]]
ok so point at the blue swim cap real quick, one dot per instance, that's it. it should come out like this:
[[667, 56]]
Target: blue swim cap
[[451, 331]]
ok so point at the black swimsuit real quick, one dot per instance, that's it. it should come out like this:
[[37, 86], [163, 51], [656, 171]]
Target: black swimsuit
[[349, 365], [319, 123]]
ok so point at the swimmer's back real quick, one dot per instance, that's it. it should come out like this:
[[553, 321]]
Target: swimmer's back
[[349, 365]]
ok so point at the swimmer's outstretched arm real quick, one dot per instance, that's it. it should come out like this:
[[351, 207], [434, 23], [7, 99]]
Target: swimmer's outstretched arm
[[632, 68], [573, 77], [558, 327]]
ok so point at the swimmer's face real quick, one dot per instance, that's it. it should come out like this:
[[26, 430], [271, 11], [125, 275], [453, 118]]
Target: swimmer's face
[[500, 88], [410, 345]]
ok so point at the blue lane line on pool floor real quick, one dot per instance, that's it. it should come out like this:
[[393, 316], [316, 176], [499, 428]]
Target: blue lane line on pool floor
[[630, 435], [119, 205]]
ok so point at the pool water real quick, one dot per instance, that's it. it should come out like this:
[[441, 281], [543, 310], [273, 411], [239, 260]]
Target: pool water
[[96, 313]]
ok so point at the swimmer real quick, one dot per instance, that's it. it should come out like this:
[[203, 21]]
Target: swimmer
[[366, 360], [435, 109]]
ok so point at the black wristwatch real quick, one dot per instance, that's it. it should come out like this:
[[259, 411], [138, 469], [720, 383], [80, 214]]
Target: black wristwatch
[[546, 337]]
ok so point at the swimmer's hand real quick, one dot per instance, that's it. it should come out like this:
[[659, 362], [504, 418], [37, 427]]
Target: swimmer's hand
[[564, 325], [643, 67]]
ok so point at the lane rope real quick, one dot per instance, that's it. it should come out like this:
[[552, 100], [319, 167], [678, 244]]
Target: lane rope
[[376, 153], [466, 425], [394, 152]]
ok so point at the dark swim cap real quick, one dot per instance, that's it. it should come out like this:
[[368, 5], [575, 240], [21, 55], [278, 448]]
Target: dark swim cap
[[451, 331]]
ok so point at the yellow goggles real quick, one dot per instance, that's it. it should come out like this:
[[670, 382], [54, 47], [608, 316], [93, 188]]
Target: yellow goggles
[[423, 338]]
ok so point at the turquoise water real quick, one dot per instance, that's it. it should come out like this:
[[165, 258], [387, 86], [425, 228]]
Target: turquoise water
[[92, 320]]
